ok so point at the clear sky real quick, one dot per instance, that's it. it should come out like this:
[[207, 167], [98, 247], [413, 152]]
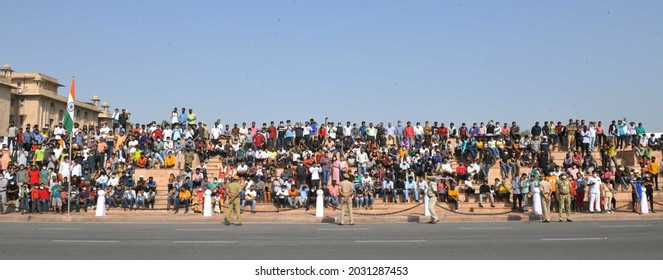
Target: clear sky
[[448, 61]]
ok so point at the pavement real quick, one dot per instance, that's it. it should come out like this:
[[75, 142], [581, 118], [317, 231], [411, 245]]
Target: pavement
[[408, 213], [580, 240]]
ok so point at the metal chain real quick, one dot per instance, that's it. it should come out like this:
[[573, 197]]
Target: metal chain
[[389, 213], [473, 214]]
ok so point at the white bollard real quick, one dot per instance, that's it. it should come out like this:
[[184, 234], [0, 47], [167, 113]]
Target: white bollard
[[425, 196], [207, 210], [101, 203], [319, 204]]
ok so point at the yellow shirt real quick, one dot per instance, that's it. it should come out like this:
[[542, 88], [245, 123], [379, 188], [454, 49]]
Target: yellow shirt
[[453, 193], [653, 167], [169, 161], [553, 182]]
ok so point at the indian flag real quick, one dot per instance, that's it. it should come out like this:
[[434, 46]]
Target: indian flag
[[69, 117]]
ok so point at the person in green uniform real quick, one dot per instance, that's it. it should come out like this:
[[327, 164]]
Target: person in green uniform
[[564, 197], [431, 192], [233, 191], [347, 192]]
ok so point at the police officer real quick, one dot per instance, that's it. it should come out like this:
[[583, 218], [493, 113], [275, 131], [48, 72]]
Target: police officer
[[347, 193], [546, 192], [564, 197], [232, 192], [431, 193]]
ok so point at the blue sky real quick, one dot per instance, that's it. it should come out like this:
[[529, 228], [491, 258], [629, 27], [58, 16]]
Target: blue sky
[[448, 61]]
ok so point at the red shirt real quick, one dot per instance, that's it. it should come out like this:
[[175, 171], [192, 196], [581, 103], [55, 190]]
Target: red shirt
[[408, 131], [34, 193], [272, 132], [34, 176], [443, 131], [44, 194], [462, 170]]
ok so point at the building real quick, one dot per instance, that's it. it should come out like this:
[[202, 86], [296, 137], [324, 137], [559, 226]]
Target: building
[[32, 98]]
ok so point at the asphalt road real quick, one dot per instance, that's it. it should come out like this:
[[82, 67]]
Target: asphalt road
[[621, 240]]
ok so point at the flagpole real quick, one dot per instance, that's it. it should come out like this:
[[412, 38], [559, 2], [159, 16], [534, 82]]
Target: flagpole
[[70, 111], [69, 175]]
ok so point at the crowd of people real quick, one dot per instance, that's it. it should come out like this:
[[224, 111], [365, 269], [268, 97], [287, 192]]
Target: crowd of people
[[285, 163]]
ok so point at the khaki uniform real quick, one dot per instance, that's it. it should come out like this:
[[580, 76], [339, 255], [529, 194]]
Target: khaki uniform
[[431, 192], [233, 190], [347, 189], [571, 136], [546, 190], [564, 198]]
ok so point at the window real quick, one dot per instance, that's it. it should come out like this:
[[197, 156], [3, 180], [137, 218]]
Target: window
[[78, 113], [12, 102], [60, 115], [52, 107], [18, 84], [21, 119], [85, 116]]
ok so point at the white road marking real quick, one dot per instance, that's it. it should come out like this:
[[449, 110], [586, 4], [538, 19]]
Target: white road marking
[[574, 239], [486, 228], [204, 242], [390, 241], [626, 226], [60, 229], [343, 229], [84, 241], [200, 229]]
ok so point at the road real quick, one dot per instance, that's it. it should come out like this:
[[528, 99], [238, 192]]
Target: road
[[622, 240]]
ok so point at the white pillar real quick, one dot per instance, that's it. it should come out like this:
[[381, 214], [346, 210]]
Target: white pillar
[[425, 196], [207, 210], [101, 203], [319, 204]]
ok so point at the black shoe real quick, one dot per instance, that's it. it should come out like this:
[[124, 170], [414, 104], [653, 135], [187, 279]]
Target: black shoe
[[481, 205], [569, 220], [226, 222]]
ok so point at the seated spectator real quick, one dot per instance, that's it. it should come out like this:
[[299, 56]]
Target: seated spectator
[[469, 190], [249, 198], [334, 192], [486, 191], [184, 198], [293, 197], [281, 197], [83, 198], [198, 199], [170, 160], [141, 200], [453, 197], [504, 190], [128, 199], [388, 190]]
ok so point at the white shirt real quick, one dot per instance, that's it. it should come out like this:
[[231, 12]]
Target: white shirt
[[59, 131], [418, 130], [76, 170], [594, 184], [315, 172], [347, 130], [113, 181]]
